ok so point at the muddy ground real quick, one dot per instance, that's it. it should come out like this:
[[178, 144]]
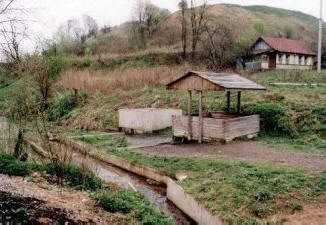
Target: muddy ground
[[241, 150], [50, 204], [17, 209]]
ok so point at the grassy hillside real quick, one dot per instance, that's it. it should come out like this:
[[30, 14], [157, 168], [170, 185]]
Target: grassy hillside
[[283, 13], [246, 22], [275, 21]]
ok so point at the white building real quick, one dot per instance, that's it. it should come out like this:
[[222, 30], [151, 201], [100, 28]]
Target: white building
[[281, 53]]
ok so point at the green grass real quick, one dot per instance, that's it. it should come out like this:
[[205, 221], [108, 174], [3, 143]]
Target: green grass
[[6, 94], [125, 201], [304, 143], [310, 20], [240, 192], [108, 141], [132, 203], [75, 177], [13, 167]]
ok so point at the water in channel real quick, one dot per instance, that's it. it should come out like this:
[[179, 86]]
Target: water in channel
[[154, 192]]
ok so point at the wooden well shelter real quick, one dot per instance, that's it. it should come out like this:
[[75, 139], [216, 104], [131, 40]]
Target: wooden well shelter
[[215, 125]]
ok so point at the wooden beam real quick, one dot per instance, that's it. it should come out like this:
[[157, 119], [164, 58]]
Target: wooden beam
[[200, 125], [228, 101], [189, 115], [239, 103]]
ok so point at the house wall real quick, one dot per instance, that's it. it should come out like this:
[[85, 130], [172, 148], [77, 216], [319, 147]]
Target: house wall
[[293, 61], [261, 45], [283, 61]]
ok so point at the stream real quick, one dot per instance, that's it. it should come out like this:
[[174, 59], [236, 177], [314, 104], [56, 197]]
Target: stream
[[154, 192]]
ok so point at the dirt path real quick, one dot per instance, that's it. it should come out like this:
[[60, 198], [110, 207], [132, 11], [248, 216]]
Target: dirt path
[[74, 204], [313, 214], [242, 150]]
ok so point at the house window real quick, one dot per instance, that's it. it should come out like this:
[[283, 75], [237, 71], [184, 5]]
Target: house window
[[264, 58], [277, 59]]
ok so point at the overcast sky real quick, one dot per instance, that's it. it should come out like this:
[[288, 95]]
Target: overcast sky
[[49, 14]]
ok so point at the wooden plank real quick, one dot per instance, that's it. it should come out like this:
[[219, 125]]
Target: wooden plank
[[189, 115], [239, 103], [200, 116], [228, 99], [227, 129], [194, 83]]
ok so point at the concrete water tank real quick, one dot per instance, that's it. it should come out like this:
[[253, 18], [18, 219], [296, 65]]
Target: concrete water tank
[[146, 120]]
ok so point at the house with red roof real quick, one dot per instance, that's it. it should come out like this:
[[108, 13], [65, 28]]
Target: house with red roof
[[270, 53]]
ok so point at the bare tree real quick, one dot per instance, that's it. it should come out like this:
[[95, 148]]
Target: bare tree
[[10, 11], [21, 108], [12, 28], [12, 38], [154, 16], [139, 26], [90, 27], [148, 19], [218, 46], [198, 20], [183, 5], [45, 71]]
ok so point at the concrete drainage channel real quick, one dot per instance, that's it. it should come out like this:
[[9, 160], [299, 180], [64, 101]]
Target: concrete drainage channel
[[172, 199]]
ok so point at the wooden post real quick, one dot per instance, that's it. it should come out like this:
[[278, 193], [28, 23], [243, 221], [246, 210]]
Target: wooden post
[[228, 96], [189, 115], [239, 102], [200, 118]]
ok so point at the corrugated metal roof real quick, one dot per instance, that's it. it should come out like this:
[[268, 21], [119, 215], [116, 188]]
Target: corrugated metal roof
[[227, 81], [288, 45]]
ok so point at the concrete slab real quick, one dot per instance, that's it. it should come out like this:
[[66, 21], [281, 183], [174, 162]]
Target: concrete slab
[[147, 120]]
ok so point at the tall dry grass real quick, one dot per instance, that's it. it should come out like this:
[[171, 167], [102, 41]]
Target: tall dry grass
[[106, 82]]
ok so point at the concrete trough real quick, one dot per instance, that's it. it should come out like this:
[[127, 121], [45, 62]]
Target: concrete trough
[[146, 120]]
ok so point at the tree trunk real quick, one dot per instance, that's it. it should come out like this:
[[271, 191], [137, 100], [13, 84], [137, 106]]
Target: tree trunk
[[19, 144]]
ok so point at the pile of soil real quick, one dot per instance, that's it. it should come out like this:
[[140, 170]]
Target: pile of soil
[[15, 209]]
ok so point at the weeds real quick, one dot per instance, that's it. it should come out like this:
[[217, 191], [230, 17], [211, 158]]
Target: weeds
[[62, 106], [13, 167], [274, 118], [107, 141], [128, 79], [238, 191], [126, 201]]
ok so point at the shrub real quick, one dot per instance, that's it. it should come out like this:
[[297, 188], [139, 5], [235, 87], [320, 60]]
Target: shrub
[[55, 65], [126, 201], [75, 177], [309, 117], [274, 118], [13, 167], [120, 201], [86, 180], [62, 107], [57, 169]]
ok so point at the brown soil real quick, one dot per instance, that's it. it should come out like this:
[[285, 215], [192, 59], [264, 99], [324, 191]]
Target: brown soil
[[48, 204], [12, 210], [242, 150], [310, 215]]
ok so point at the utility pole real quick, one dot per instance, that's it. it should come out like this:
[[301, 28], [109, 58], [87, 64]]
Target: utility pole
[[320, 36]]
